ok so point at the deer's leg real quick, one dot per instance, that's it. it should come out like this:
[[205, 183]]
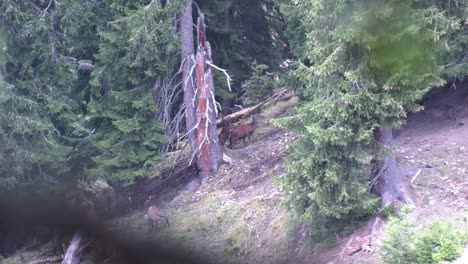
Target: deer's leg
[[150, 225], [167, 220]]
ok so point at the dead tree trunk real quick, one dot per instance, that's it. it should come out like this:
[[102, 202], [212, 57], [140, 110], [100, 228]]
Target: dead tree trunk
[[209, 151], [187, 51], [73, 255], [389, 182]]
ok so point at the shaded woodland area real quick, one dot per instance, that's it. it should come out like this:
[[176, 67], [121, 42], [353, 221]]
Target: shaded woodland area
[[109, 108]]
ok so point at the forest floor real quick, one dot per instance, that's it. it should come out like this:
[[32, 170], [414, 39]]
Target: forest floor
[[436, 141], [237, 215]]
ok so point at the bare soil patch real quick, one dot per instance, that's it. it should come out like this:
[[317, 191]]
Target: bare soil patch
[[434, 141]]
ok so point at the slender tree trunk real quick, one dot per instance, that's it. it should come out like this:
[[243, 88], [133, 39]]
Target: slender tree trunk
[[187, 51], [210, 153], [227, 18], [390, 184]]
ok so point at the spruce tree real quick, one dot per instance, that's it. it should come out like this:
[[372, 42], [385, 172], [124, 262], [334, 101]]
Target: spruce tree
[[361, 67], [43, 91], [138, 46]]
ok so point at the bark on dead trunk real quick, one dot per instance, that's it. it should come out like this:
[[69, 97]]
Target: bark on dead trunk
[[210, 153], [187, 51], [72, 255], [390, 184]]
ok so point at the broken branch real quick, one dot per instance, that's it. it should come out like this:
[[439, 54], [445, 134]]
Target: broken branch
[[72, 256], [415, 176], [244, 113]]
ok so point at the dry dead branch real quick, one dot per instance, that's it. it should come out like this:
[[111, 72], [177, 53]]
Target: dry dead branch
[[247, 112], [72, 255], [167, 90], [373, 182], [46, 260], [415, 176]]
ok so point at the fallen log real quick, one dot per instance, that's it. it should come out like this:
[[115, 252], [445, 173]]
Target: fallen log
[[46, 260], [72, 256], [247, 112]]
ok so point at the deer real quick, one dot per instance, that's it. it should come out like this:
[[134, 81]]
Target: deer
[[153, 214], [243, 131], [224, 135], [90, 211]]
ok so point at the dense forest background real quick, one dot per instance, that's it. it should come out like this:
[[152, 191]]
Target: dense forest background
[[81, 81], [93, 89]]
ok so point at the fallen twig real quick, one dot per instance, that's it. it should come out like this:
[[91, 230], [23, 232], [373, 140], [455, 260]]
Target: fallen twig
[[415, 176]]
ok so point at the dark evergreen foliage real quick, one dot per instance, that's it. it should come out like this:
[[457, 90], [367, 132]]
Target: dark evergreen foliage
[[243, 32], [77, 83], [137, 46], [363, 64], [44, 96]]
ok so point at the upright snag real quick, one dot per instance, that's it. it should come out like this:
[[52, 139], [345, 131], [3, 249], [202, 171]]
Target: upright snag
[[209, 152]]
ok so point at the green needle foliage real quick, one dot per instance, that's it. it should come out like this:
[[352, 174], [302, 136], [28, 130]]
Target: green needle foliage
[[78, 87], [137, 46], [361, 65], [61, 121], [437, 243], [42, 92]]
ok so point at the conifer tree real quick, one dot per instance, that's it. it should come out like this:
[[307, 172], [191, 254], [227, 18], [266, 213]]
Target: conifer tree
[[137, 47], [43, 91], [362, 65]]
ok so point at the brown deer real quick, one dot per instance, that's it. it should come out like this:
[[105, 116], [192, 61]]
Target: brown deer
[[153, 214], [89, 211], [224, 135], [243, 131]]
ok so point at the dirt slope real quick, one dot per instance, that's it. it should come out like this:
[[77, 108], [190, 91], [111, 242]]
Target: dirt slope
[[236, 217], [435, 141]]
